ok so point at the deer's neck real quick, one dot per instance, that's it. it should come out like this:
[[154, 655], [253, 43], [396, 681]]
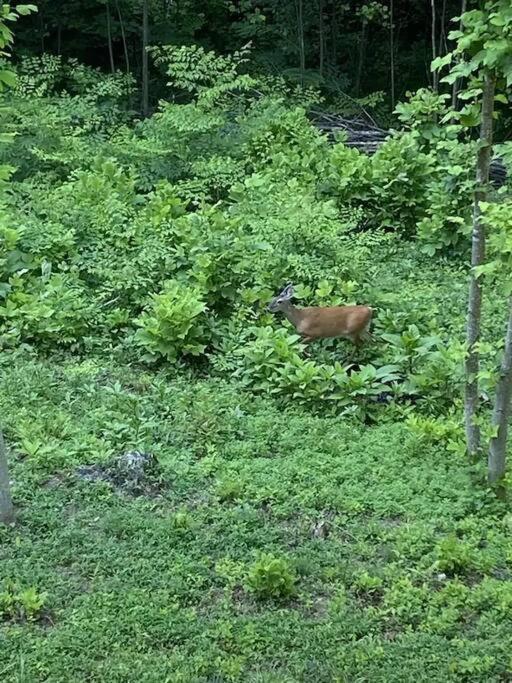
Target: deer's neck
[[293, 314]]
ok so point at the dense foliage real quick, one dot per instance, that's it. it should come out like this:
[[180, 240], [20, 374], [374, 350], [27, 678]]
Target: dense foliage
[[171, 235], [313, 516]]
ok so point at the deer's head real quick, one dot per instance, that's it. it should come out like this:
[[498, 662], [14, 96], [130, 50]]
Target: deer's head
[[282, 300]]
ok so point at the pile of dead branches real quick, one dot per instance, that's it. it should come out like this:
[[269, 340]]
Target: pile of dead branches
[[366, 136]]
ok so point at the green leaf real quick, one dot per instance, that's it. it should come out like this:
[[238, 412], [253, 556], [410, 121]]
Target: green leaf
[[8, 77], [24, 10], [497, 20], [440, 62]]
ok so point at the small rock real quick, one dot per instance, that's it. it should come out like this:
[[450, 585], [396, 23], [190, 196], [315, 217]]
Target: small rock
[[89, 472], [53, 482], [133, 471], [441, 577]]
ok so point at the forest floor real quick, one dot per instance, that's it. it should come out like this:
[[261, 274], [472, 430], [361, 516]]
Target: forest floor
[[400, 560]]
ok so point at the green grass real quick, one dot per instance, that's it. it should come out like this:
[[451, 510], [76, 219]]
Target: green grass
[[412, 583]]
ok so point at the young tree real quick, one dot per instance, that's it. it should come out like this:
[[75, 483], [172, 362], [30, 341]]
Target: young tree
[[501, 413], [109, 37], [370, 13], [498, 268], [483, 55], [7, 78], [456, 83], [433, 21], [471, 397], [392, 52], [6, 506], [299, 10], [321, 37], [145, 57], [123, 37]]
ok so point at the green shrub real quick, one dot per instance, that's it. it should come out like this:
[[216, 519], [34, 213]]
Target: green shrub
[[174, 324], [368, 584], [52, 312], [265, 354], [347, 176], [399, 196], [271, 577], [447, 222], [21, 604], [455, 556], [228, 490]]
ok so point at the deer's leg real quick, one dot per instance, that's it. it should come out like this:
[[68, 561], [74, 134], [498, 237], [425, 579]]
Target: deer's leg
[[355, 339], [367, 334], [305, 339]]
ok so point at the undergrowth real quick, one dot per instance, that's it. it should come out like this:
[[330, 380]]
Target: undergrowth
[[314, 518]]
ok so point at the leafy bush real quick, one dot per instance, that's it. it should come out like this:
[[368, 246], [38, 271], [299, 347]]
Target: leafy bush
[[399, 196], [454, 556], [271, 577], [54, 312], [21, 604], [175, 323], [446, 224]]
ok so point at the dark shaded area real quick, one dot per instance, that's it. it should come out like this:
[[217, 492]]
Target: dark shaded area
[[343, 46]]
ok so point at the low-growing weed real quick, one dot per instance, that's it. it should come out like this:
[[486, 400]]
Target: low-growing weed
[[271, 577]]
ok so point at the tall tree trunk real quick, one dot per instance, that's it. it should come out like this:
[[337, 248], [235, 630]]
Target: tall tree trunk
[[41, 27], [443, 45], [6, 507], [392, 53], [472, 366], [109, 38], [59, 36], [456, 83], [435, 81], [145, 64], [123, 37], [334, 34], [300, 37], [321, 36], [500, 416], [362, 56]]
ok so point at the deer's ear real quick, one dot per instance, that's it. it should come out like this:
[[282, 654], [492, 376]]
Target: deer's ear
[[287, 292]]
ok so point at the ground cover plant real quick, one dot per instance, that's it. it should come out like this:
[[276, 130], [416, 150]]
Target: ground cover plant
[[280, 545], [297, 512]]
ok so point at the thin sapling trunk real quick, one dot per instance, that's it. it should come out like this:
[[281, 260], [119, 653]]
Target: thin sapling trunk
[[109, 38], [145, 64], [472, 365], [6, 506], [500, 417]]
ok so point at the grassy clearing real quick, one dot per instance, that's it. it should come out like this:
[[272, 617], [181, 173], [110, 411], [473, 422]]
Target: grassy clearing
[[410, 574]]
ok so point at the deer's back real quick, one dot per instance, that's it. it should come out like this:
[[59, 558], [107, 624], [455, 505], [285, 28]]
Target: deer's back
[[334, 321]]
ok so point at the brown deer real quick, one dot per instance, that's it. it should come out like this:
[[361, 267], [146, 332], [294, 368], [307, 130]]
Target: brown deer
[[319, 322]]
